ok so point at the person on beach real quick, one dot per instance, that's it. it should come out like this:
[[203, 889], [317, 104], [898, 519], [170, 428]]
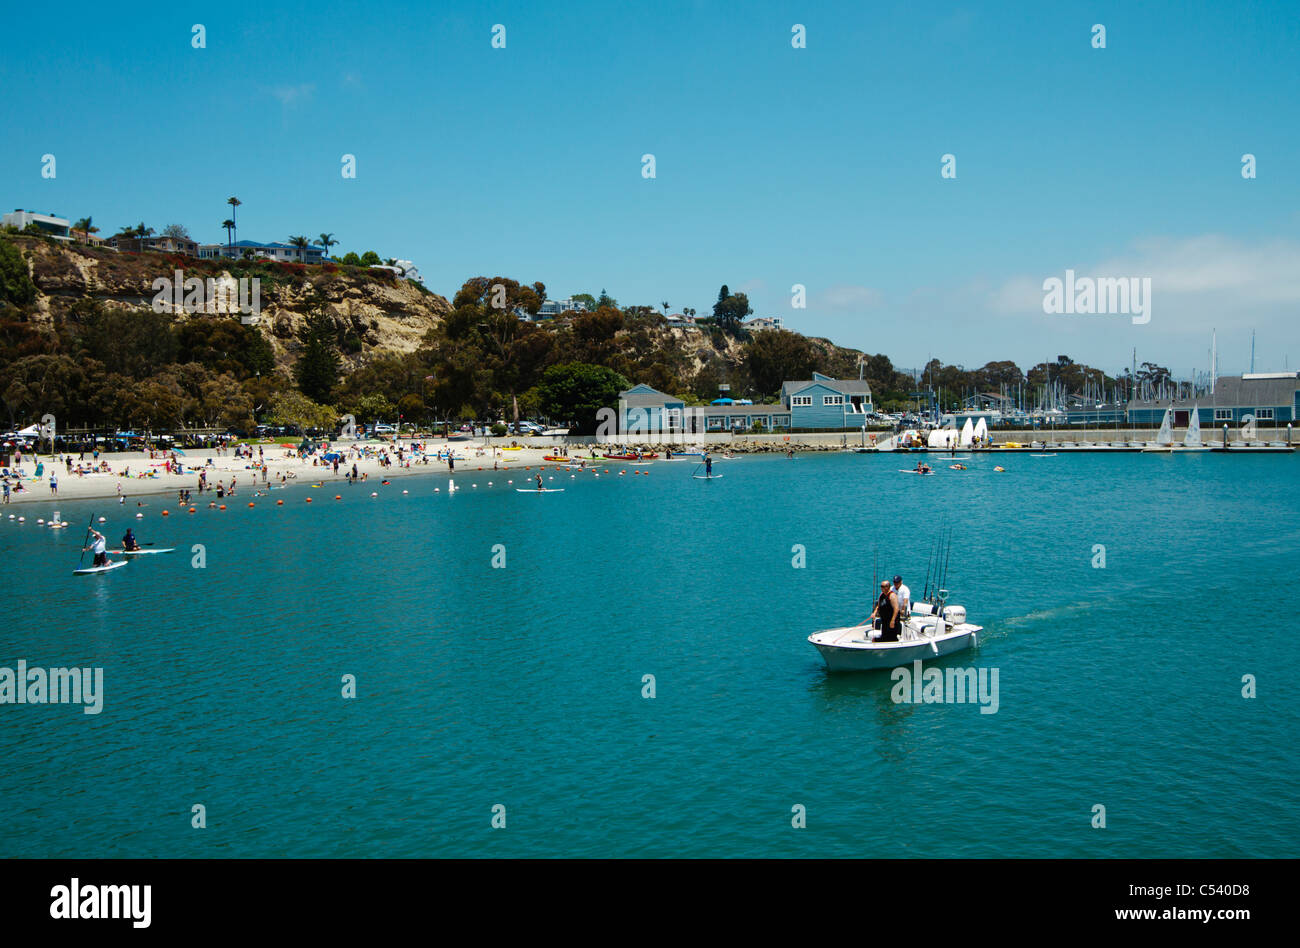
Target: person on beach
[[129, 543], [99, 546], [887, 612], [54, 485], [904, 595], [6, 490], [451, 462]]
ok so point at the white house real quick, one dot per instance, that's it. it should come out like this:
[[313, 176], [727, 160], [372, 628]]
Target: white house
[[55, 227], [762, 322]]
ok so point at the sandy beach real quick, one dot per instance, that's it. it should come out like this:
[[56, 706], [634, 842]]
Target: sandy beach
[[135, 475]]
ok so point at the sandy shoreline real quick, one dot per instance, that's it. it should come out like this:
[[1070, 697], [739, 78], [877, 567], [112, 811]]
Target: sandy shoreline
[[470, 458]]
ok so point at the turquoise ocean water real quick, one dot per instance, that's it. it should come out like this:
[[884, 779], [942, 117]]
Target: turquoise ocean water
[[522, 686]]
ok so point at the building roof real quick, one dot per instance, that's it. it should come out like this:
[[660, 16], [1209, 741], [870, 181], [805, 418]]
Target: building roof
[[842, 386], [643, 396], [1274, 390]]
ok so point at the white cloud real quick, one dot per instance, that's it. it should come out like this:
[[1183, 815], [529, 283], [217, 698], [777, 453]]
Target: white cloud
[[290, 95]]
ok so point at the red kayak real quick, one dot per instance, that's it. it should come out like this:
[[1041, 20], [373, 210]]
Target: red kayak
[[629, 457]]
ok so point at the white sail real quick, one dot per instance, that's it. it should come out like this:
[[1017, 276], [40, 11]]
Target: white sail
[[1248, 428], [941, 439], [981, 430], [1193, 437], [967, 434], [1166, 433]]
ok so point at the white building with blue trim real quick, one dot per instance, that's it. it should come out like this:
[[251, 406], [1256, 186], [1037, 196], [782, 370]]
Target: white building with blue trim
[[820, 403]]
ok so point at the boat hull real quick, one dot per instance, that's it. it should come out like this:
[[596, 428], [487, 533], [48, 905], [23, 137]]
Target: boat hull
[[844, 651]]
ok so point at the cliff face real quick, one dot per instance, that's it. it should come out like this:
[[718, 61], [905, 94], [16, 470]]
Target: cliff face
[[387, 314]]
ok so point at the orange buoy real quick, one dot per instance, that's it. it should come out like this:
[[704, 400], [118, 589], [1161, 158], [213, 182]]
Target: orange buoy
[[192, 509], [308, 501], [279, 503], [250, 503], [165, 513], [222, 507], [340, 496]]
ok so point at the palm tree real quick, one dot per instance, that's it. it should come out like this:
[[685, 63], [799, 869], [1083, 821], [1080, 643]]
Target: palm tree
[[229, 225], [326, 241], [665, 306], [86, 227], [302, 243], [234, 202]]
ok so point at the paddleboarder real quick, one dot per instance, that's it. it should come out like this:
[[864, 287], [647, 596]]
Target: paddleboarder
[[99, 546], [708, 465], [539, 482], [129, 543]]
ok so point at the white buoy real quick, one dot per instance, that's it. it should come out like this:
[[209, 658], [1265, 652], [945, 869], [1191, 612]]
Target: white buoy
[[406, 492], [374, 493], [103, 520], [42, 520], [22, 519], [139, 516], [437, 490]]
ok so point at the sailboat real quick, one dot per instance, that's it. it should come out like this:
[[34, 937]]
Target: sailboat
[[1192, 440], [1165, 436]]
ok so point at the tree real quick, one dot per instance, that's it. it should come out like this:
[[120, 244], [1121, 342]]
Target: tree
[[234, 203], [730, 310], [585, 298], [229, 226], [86, 227], [294, 408], [606, 300], [370, 259], [317, 368], [176, 231], [326, 242], [350, 259], [301, 243], [775, 357], [16, 284], [575, 393]]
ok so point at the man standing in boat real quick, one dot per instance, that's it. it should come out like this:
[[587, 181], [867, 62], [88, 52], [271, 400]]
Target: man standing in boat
[[887, 611], [904, 597]]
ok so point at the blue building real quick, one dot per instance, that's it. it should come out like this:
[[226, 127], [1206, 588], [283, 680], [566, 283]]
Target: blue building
[[819, 403], [1271, 398]]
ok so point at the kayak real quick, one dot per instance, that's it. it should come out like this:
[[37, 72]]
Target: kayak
[[629, 457], [902, 471], [88, 570], [166, 549], [551, 457], [544, 490]]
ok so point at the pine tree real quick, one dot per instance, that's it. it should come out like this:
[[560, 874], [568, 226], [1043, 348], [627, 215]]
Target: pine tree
[[317, 369]]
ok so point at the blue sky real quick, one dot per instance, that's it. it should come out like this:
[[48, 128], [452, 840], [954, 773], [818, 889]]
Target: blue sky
[[774, 165]]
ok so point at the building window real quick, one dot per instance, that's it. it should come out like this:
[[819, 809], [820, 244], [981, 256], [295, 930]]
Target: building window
[[1223, 414], [780, 421], [832, 400], [800, 400], [1263, 414]]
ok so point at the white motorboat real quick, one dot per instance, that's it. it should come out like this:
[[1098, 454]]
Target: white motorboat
[[931, 631]]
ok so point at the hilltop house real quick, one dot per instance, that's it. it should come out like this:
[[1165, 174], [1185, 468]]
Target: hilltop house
[[157, 244], [48, 224], [762, 322], [286, 253]]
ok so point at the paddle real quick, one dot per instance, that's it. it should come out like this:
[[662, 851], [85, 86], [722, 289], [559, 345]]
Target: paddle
[[84, 541]]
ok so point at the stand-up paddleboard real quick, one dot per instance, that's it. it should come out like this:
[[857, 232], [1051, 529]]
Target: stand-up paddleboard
[[166, 549], [544, 490], [707, 477], [903, 471], [964, 457], [1042, 455], [89, 570]]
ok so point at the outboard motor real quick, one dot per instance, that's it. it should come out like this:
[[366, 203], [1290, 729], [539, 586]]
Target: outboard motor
[[955, 615]]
